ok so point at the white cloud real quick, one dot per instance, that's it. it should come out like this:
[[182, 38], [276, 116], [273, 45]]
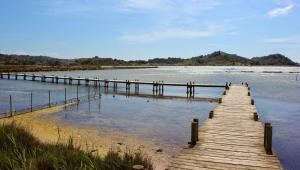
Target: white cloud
[[283, 40], [280, 11], [165, 34]]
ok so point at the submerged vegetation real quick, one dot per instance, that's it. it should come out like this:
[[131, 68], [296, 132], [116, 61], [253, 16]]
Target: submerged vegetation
[[20, 150]]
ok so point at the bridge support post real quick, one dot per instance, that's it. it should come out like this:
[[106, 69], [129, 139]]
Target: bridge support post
[[252, 102], [197, 125], [10, 106], [87, 81], [1, 75], [56, 79], [49, 98], [31, 102], [78, 81], [70, 80], [211, 114], [16, 76], [268, 138], [194, 131], [255, 116], [65, 80], [33, 77], [8, 76], [24, 76], [43, 78]]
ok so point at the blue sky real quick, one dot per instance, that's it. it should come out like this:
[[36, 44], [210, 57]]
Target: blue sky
[[142, 29]]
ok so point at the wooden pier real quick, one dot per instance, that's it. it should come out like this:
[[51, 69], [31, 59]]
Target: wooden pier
[[232, 137], [158, 87]]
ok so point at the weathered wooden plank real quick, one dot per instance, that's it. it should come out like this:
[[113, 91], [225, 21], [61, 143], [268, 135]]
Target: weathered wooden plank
[[231, 140]]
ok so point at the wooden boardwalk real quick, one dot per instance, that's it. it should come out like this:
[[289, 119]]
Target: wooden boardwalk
[[230, 140]]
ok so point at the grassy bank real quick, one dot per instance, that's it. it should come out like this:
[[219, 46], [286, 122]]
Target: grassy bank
[[20, 150]]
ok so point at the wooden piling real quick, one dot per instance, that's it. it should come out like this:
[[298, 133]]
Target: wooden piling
[[268, 138], [49, 98], [1, 75], [211, 114], [252, 101], [249, 93], [56, 79], [8, 76], [220, 100], [24, 76], [197, 124], [224, 93], [31, 102], [33, 77], [10, 106], [194, 131], [70, 80], [16, 76], [255, 116], [77, 91], [65, 95]]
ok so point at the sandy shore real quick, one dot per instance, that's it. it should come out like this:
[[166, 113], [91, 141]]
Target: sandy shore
[[48, 128]]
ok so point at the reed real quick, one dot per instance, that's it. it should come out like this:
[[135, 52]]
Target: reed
[[20, 150]]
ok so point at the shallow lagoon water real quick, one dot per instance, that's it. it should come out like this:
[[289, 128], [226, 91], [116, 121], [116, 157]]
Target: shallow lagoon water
[[277, 98]]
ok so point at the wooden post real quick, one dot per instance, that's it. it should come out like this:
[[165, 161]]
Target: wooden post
[[156, 87], [49, 98], [153, 87], [220, 100], [16, 76], [187, 89], [268, 138], [194, 130], [252, 102], [224, 93], [255, 116], [33, 77], [24, 76], [56, 79], [211, 114], [78, 81], [193, 88], [52, 78], [1, 75], [230, 84], [70, 80], [86, 81], [162, 88], [65, 95], [159, 89], [10, 106], [8, 76], [65, 80], [197, 122], [249, 93], [77, 93], [31, 102], [89, 93]]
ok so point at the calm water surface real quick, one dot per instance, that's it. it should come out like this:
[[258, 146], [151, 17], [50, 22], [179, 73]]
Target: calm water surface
[[166, 122]]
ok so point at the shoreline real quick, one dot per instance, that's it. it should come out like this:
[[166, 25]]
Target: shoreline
[[49, 129]]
